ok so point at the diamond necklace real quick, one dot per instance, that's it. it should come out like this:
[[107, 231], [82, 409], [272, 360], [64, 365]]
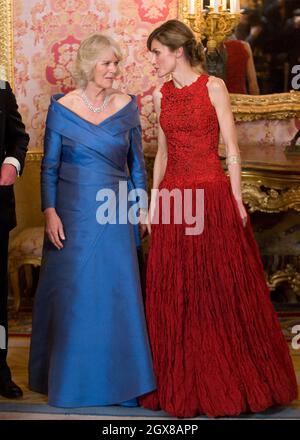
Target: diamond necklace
[[90, 106]]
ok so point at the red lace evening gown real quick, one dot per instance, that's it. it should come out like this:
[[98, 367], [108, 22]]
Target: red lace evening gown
[[217, 345], [236, 67]]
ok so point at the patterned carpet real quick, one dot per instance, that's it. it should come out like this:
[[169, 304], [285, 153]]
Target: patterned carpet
[[116, 411]]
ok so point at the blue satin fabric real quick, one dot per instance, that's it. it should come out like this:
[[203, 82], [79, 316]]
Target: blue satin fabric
[[89, 342]]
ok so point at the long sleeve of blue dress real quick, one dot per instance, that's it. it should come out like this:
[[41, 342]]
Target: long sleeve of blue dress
[[136, 164], [50, 168]]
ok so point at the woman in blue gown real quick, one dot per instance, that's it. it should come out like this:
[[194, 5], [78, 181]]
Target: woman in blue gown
[[89, 342]]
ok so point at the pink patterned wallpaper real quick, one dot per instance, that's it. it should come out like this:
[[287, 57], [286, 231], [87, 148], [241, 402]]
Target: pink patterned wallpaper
[[46, 37]]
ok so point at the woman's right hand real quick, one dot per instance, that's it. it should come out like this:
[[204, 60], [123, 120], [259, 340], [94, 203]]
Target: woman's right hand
[[150, 214], [242, 211], [54, 228], [148, 223]]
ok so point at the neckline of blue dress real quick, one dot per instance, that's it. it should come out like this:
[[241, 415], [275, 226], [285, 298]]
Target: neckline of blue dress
[[54, 100]]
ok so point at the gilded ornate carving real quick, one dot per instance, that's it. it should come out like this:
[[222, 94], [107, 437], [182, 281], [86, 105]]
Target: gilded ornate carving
[[276, 106], [260, 198], [288, 275], [270, 190], [34, 156], [6, 40]]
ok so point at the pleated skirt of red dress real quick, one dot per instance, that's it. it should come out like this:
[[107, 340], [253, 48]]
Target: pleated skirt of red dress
[[216, 341]]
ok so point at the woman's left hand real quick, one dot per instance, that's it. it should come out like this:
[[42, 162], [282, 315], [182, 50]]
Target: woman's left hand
[[143, 230], [242, 211]]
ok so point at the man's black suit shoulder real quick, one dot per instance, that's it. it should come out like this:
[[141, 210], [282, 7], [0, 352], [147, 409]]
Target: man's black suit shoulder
[[13, 137], [13, 143]]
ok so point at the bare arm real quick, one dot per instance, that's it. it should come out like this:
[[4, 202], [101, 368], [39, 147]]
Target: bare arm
[[161, 157], [251, 72], [221, 101]]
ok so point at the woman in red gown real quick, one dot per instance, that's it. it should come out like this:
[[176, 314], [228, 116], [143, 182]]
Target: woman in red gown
[[240, 68], [216, 341]]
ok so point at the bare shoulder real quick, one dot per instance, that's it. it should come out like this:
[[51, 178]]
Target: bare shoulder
[[246, 46], [215, 84], [70, 99], [119, 98], [218, 92]]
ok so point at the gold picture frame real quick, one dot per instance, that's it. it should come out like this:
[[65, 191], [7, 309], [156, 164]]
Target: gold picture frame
[[6, 41]]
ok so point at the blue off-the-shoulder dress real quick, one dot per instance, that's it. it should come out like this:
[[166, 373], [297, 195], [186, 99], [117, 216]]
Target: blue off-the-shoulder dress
[[89, 342]]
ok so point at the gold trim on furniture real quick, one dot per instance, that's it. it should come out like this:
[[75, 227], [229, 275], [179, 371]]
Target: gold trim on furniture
[[267, 191], [13, 274], [6, 41], [34, 156], [276, 106], [288, 275]]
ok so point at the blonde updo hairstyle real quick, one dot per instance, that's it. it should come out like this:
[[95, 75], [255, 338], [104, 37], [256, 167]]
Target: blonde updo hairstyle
[[88, 55], [175, 34]]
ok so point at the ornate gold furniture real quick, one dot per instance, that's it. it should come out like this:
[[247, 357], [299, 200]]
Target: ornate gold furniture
[[26, 241], [277, 106], [24, 250], [271, 182], [272, 185]]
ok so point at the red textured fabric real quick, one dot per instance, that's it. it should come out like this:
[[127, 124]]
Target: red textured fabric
[[236, 67], [217, 345]]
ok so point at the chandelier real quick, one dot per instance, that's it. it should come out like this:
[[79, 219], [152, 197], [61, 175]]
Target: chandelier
[[213, 22]]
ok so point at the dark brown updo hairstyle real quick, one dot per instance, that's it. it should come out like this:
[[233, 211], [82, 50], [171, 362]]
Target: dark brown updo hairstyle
[[175, 34]]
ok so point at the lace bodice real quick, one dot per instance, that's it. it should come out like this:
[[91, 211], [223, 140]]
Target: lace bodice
[[191, 127]]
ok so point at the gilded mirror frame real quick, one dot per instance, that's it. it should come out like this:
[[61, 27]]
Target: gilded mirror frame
[[6, 41], [247, 108]]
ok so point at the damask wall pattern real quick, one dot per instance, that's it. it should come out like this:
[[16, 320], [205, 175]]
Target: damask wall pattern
[[47, 34]]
